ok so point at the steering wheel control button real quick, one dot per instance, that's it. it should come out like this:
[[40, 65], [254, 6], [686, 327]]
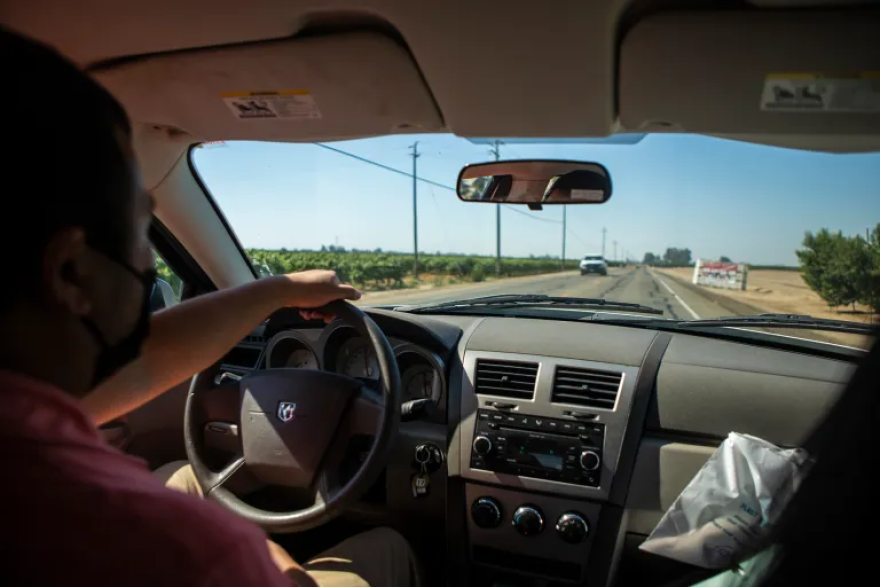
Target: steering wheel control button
[[482, 445], [572, 527], [589, 460], [486, 513], [528, 521], [224, 428]]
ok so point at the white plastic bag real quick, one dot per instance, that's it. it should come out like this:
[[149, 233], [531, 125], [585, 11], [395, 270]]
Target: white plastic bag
[[728, 505]]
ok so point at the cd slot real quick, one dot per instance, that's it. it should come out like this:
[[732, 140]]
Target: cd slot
[[507, 429]]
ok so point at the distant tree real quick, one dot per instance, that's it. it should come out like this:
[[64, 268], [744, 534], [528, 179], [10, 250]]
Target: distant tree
[[677, 257], [651, 259], [725, 259]]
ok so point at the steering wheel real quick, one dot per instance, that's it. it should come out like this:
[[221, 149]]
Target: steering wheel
[[294, 430]]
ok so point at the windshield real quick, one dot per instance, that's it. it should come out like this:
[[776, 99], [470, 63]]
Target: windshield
[[697, 227]]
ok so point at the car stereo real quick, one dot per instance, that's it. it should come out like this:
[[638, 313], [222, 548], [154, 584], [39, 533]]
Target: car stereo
[[538, 447]]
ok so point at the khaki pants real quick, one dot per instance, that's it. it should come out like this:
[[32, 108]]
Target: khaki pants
[[378, 558]]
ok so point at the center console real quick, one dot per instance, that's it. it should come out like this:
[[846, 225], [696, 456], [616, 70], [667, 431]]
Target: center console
[[540, 440]]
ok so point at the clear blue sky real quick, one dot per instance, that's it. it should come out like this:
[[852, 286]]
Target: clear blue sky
[[716, 197]]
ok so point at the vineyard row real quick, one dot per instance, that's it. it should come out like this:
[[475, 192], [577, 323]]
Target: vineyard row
[[388, 270]]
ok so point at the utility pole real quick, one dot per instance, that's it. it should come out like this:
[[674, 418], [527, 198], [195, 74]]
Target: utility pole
[[497, 152], [415, 156], [563, 237], [604, 230], [615, 250]]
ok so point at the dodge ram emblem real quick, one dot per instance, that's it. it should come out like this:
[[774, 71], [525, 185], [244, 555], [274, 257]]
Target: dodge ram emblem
[[286, 411]]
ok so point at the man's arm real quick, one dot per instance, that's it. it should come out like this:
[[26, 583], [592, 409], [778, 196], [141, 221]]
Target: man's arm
[[193, 335]]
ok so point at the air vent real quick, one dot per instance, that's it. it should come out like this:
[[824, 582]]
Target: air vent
[[251, 339], [586, 387], [506, 378]]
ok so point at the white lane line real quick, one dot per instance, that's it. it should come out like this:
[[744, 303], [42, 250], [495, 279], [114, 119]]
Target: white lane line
[[676, 296]]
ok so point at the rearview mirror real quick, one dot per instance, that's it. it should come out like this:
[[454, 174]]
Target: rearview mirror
[[534, 183]]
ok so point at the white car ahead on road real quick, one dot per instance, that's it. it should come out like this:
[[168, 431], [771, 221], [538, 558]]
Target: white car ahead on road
[[594, 264]]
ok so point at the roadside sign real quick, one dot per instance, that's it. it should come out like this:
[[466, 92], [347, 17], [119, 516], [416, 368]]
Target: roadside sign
[[719, 274]]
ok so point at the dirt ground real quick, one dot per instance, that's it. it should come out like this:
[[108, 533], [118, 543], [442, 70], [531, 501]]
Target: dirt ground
[[785, 292]]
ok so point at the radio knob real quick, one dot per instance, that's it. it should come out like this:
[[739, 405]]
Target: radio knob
[[482, 445], [572, 527], [486, 512], [528, 520], [590, 461]]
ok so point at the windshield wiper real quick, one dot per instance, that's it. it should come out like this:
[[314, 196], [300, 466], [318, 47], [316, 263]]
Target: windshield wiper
[[781, 321], [516, 300]]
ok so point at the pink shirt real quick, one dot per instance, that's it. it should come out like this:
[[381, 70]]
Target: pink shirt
[[78, 512]]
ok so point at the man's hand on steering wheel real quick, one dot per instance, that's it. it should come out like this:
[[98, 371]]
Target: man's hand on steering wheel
[[314, 289]]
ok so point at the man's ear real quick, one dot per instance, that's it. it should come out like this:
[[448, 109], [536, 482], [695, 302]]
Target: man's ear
[[67, 265]]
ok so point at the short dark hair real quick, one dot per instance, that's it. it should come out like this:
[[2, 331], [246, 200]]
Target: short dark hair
[[63, 164]]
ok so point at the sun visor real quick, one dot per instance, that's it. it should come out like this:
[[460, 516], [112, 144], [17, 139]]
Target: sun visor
[[321, 88], [753, 73]]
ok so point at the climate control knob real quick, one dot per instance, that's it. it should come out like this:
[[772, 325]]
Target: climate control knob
[[572, 527], [482, 445], [528, 520], [590, 461], [486, 512]]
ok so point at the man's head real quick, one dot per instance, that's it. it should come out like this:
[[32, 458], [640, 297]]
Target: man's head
[[75, 240]]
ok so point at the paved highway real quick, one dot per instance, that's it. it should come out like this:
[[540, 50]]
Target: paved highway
[[640, 286]]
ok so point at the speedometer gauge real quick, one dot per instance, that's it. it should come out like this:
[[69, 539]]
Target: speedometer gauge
[[421, 382], [302, 359], [287, 350], [356, 359]]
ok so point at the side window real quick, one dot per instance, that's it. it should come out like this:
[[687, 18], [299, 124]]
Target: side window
[[169, 287]]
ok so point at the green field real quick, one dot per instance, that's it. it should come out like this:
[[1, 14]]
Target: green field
[[395, 270]]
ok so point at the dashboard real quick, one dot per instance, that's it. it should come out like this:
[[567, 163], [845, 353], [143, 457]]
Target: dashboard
[[562, 441]]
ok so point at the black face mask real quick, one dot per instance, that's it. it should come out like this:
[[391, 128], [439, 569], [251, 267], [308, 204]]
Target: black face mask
[[114, 357]]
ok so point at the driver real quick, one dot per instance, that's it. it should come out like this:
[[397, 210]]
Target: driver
[[79, 347]]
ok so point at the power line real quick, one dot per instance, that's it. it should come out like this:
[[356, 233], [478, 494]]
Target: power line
[[527, 215], [380, 165], [421, 179], [579, 239]]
